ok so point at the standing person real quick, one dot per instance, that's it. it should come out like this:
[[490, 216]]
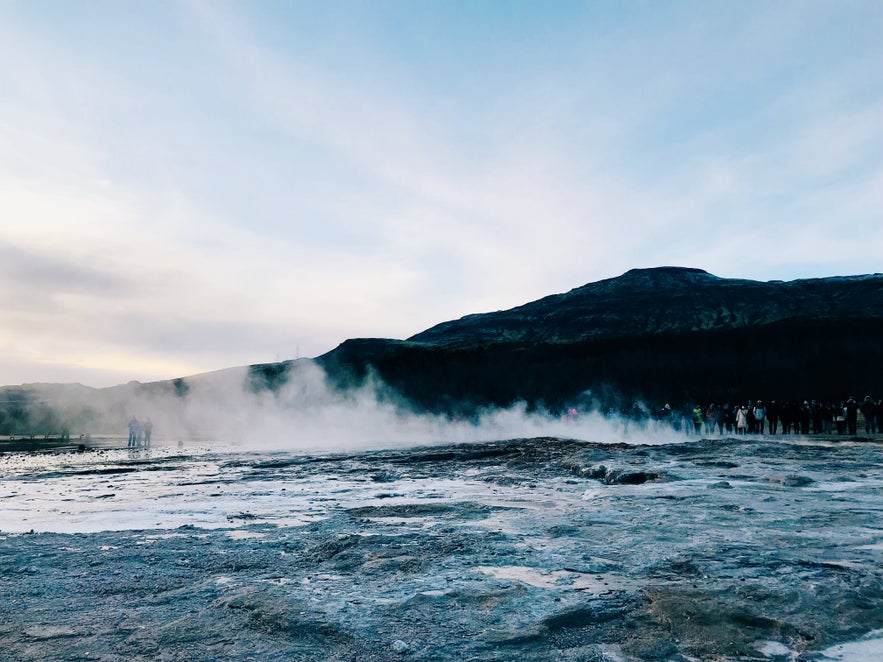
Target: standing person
[[852, 415], [869, 411], [789, 417], [749, 417], [720, 415], [148, 430], [816, 416], [772, 417], [741, 420], [759, 416], [805, 417], [827, 417], [710, 416], [840, 417], [697, 419], [133, 432], [879, 415]]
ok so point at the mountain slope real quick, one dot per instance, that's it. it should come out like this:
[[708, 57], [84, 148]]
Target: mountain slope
[[666, 300], [668, 333]]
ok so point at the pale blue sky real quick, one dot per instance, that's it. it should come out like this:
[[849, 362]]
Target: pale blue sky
[[186, 186]]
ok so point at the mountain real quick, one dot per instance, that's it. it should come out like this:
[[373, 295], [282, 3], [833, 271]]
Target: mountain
[[668, 334], [665, 300]]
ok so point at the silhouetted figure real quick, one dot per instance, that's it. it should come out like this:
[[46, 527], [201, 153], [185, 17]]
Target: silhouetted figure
[[827, 414], [789, 417], [729, 417], [148, 430], [697, 419], [133, 432], [759, 416], [772, 417], [805, 417], [710, 416], [869, 411], [840, 418], [720, 416], [741, 420], [851, 415]]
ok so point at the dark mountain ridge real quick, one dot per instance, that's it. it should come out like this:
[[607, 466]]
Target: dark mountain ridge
[[666, 333], [666, 300]]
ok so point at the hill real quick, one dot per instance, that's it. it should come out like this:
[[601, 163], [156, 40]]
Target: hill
[[667, 333]]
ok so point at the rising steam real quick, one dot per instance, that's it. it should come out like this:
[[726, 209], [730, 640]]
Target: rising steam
[[307, 414]]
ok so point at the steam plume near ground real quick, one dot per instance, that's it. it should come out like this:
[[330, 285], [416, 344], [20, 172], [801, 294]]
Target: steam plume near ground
[[308, 414]]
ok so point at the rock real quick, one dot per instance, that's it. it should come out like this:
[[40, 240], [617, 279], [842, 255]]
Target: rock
[[400, 647], [789, 480]]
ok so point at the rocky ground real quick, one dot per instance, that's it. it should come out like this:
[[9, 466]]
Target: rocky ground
[[540, 549]]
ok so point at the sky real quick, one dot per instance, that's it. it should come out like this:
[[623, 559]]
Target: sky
[[191, 186]]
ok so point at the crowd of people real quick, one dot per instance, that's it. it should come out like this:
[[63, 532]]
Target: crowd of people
[[757, 417], [139, 433]]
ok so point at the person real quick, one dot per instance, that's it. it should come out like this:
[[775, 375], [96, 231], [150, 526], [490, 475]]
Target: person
[[851, 415], [697, 419], [741, 420], [816, 413], [720, 415], [133, 432], [789, 417], [840, 417], [869, 411], [710, 415], [805, 416], [759, 416], [148, 430], [827, 418], [772, 417], [730, 417]]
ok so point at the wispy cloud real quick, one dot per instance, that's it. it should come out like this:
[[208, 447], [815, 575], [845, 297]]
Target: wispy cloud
[[194, 185]]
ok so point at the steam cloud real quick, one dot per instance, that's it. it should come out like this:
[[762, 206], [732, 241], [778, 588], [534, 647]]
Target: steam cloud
[[307, 414]]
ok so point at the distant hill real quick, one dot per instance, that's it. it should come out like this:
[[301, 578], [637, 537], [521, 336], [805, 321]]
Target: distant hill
[[668, 334]]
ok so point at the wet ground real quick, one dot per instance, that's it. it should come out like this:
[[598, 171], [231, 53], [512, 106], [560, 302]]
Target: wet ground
[[540, 549]]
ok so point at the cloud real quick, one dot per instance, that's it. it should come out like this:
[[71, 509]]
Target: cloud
[[257, 178], [26, 277]]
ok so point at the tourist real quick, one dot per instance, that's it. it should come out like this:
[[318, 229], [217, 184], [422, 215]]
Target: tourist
[[840, 417], [741, 420], [852, 415], [827, 417], [148, 430], [730, 417], [133, 431], [710, 418], [869, 411], [720, 417], [759, 416], [772, 416], [805, 417], [697, 419]]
